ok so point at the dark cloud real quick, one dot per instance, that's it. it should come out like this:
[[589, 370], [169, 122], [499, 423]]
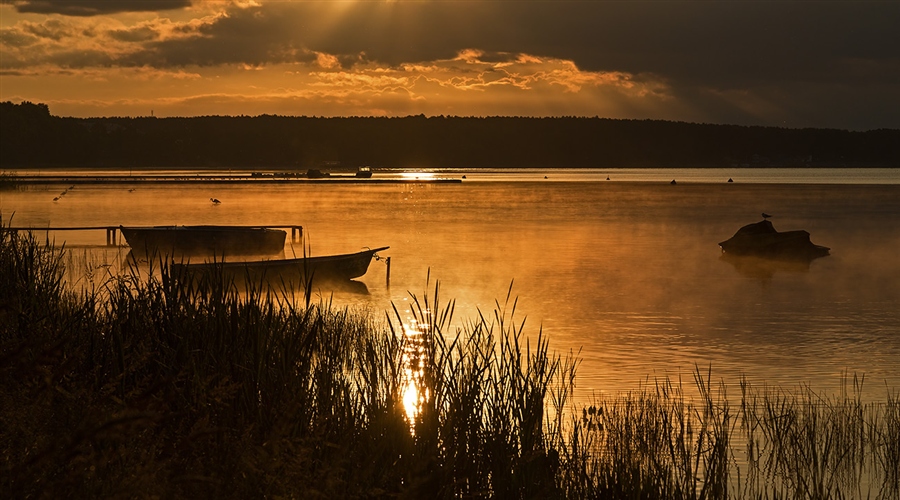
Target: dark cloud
[[77, 59], [16, 39], [96, 7], [253, 36], [137, 34], [52, 30], [721, 44], [729, 44]]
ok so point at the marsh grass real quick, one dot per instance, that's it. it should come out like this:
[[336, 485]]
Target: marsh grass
[[659, 443], [154, 385]]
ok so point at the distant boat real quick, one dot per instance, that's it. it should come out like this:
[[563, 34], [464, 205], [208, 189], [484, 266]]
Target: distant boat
[[204, 240], [289, 272], [364, 173], [760, 239]]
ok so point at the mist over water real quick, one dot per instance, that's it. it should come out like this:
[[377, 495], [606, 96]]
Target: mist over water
[[629, 273]]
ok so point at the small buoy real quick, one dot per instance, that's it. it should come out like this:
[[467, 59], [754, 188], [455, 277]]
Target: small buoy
[[545, 177], [673, 181], [607, 177], [730, 179], [464, 177]]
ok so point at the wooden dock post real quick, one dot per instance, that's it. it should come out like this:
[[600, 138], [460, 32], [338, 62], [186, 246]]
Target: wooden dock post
[[296, 234], [387, 276], [111, 236]]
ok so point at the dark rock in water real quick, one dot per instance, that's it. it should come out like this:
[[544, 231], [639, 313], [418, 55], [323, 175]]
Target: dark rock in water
[[762, 240]]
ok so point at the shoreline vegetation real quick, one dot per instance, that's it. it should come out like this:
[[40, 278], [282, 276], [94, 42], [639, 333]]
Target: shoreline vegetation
[[31, 137], [137, 387]]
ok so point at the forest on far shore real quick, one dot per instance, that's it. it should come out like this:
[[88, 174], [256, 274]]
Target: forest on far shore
[[31, 137]]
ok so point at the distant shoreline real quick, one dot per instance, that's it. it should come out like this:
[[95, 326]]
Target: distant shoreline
[[32, 137]]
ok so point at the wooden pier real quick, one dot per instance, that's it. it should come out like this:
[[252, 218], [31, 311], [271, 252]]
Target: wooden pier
[[112, 231]]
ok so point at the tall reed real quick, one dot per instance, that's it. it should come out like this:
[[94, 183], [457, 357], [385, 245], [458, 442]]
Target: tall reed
[[483, 425]]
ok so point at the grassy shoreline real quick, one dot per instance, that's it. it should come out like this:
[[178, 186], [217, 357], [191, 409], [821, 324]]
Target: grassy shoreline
[[136, 387]]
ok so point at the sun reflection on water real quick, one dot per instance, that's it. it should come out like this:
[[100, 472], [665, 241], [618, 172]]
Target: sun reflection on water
[[414, 390], [417, 175]]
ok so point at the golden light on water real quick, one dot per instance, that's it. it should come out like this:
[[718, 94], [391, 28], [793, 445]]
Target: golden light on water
[[413, 363], [418, 175], [411, 401]]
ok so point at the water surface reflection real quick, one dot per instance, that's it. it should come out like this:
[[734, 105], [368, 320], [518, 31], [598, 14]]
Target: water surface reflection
[[629, 273]]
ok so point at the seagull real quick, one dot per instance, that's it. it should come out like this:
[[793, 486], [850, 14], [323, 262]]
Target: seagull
[[765, 216], [215, 201]]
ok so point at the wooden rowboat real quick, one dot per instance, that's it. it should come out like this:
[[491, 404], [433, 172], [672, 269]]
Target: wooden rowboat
[[285, 272], [204, 240]]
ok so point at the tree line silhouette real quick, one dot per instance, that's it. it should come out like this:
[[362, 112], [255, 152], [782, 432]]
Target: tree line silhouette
[[31, 137]]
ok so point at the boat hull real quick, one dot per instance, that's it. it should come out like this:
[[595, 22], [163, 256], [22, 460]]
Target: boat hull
[[204, 240], [290, 273]]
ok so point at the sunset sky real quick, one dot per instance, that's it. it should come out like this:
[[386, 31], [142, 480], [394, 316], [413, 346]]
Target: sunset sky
[[752, 62]]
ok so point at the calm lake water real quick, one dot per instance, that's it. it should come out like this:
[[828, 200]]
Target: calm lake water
[[627, 272]]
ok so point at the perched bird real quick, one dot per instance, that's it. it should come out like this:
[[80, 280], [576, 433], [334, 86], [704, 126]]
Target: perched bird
[[215, 201], [765, 216]]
